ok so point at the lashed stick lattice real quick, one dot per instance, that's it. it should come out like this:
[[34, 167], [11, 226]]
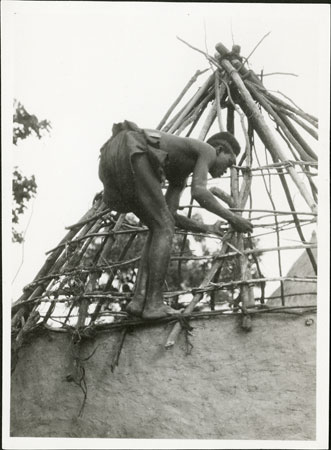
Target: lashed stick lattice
[[73, 271]]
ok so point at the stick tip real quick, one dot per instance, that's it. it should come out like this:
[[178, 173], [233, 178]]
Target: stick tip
[[169, 344]]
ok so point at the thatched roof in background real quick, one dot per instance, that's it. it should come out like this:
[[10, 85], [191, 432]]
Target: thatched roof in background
[[301, 268]]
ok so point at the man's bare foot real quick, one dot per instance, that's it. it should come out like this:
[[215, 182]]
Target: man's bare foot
[[158, 312], [135, 308]]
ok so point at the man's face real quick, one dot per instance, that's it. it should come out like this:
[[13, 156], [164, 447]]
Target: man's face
[[223, 161]]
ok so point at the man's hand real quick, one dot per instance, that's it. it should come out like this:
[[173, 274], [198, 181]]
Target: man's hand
[[240, 224], [216, 228]]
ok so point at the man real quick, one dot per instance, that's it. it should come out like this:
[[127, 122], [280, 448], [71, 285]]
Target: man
[[133, 164]]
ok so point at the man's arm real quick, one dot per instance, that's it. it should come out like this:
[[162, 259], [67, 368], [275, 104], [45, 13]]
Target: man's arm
[[172, 197], [206, 199]]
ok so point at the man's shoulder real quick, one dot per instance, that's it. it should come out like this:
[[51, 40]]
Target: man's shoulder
[[194, 144], [191, 147], [202, 149]]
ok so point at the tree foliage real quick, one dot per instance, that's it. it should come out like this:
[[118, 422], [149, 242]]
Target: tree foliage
[[24, 188], [26, 124]]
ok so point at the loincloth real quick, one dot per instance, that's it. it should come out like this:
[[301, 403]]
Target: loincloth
[[115, 168]]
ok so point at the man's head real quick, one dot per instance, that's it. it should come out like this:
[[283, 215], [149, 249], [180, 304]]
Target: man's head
[[223, 141], [227, 148]]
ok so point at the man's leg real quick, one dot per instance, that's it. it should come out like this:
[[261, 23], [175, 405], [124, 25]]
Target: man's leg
[[136, 306], [159, 257], [152, 209]]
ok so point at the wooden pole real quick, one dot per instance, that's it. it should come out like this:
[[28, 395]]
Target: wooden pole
[[60, 266], [302, 150], [248, 105], [246, 292], [53, 257], [259, 123], [196, 113], [199, 94], [251, 75], [218, 97], [294, 132], [230, 119], [190, 114], [197, 297], [167, 127], [309, 118], [208, 122], [181, 95], [53, 262], [296, 219], [269, 193], [309, 130]]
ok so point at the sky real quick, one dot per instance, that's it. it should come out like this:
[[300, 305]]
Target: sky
[[85, 65]]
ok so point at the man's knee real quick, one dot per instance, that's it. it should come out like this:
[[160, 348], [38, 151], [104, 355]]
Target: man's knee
[[165, 224]]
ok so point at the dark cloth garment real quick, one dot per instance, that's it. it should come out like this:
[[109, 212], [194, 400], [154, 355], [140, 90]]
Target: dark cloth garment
[[115, 169]]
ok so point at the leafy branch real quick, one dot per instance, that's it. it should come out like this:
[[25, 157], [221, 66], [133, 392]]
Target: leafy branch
[[24, 188]]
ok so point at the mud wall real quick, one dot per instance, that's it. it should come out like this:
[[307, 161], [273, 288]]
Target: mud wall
[[233, 385]]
